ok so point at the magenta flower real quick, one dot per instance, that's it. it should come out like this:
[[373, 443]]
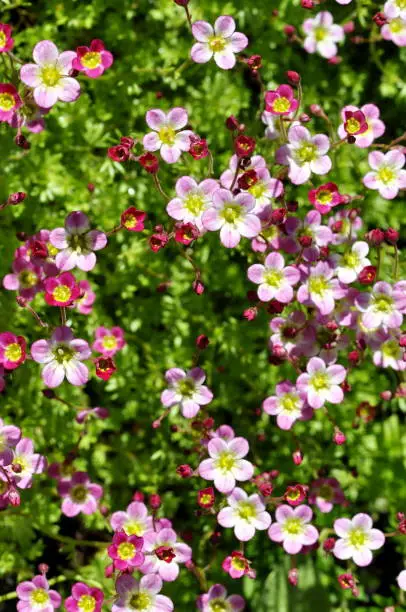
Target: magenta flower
[[49, 76], [6, 41], [12, 350], [281, 101], [304, 154], [321, 289], [187, 390], [322, 35], [245, 514], [166, 136], [274, 279], [216, 599], [109, 341], [153, 564], [376, 127], [383, 307], [62, 355], [10, 435], [325, 493], [237, 566], [25, 278], [36, 596], [141, 595], [126, 551], [84, 304], [220, 42], [287, 405], [93, 60], [388, 175], [292, 528], [321, 383], [84, 599], [357, 539], [325, 197], [61, 290], [232, 215], [226, 463], [192, 200], [10, 100], [79, 495], [26, 463], [395, 30], [134, 521], [76, 243]]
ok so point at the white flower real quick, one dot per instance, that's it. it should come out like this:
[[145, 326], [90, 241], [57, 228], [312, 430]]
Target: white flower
[[357, 539], [245, 514]]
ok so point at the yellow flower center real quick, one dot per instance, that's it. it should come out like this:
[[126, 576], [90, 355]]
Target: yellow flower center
[[258, 189], [7, 101], [219, 605], [87, 603], [167, 135], [63, 353], [293, 526], [50, 76], [27, 279], [383, 303], [246, 511], [231, 213], [3, 40], [273, 278], [352, 126], [320, 33], [140, 601], [13, 352], [238, 563], [351, 260], [78, 493], [281, 105], [39, 596], [217, 43], [306, 152], [186, 387], [392, 349], [320, 381], [194, 203], [318, 285], [324, 197], [226, 461], [62, 293], [386, 175], [52, 251], [109, 342], [91, 60], [21, 462], [270, 232], [289, 402], [358, 538], [126, 550], [130, 221], [134, 528], [396, 25]]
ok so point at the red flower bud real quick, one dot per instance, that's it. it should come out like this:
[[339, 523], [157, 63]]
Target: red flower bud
[[149, 162], [184, 471], [297, 457], [202, 342], [254, 62], [293, 77], [307, 4], [265, 489], [43, 568], [278, 216], [305, 241], [275, 307], [391, 235], [127, 142], [367, 275], [198, 287], [119, 153], [354, 358], [316, 110], [293, 576], [16, 198], [244, 146], [346, 581], [138, 496], [22, 142], [386, 395], [155, 501], [380, 19], [14, 496], [250, 313], [303, 118], [349, 27], [375, 237], [232, 123], [329, 544], [182, 2], [289, 30]]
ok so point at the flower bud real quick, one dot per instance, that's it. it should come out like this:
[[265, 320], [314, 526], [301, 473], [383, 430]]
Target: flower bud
[[379, 19], [14, 496], [16, 198], [292, 206], [386, 395], [329, 544], [254, 62], [297, 457], [138, 496], [265, 489], [316, 110], [338, 437], [278, 216], [22, 142], [232, 123], [127, 142], [293, 77], [43, 568], [375, 237], [289, 30], [391, 235], [354, 358], [184, 471], [202, 342], [182, 2], [307, 4], [198, 287], [198, 147], [250, 313], [149, 162], [155, 501], [305, 241], [244, 146], [349, 27], [303, 118], [293, 576]]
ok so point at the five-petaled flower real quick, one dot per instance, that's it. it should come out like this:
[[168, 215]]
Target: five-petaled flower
[[226, 463], [186, 389], [357, 539], [292, 528], [220, 42], [320, 383], [166, 136], [245, 514], [93, 60]]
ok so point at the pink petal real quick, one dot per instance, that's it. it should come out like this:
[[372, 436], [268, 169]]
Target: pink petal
[[224, 26], [30, 75], [202, 31], [225, 59], [45, 52], [177, 118], [201, 53], [155, 119]]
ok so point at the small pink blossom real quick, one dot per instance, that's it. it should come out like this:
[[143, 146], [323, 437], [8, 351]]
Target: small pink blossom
[[192, 200], [395, 30], [326, 493], [304, 154], [166, 537], [108, 341], [387, 175], [226, 463], [274, 279], [142, 592], [84, 598], [376, 127], [26, 463], [357, 539], [126, 551], [245, 514], [281, 101], [221, 42], [320, 383], [36, 596], [93, 60], [166, 136], [187, 390], [322, 35], [10, 101], [79, 495], [134, 521], [292, 528], [287, 405], [216, 599]]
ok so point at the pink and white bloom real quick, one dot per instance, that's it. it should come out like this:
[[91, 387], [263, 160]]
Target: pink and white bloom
[[216, 600], [265, 190], [387, 175], [320, 383], [134, 521], [79, 494], [281, 101], [326, 493], [322, 35], [287, 405], [192, 200], [84, 304], [220, 42], [274, 279], [294, 334], [62, 355], [357, 539], [153, 541], [257, 163], [36, 596], [10, 101], [401, 580], [140, 595], [10, 435], [84, 599], [6, 41], [321, 289], [233, 216], [395, 8], [226, 463], [376, 126], [245, 514], [383, 307], [387, 352], [126, 551], [49, 76], [166, 136], [25, 278], [12, 350], [186, 389], [77, 243], [304, 154], [93, 60], [271, 130], [352, 262], [109, 341], [395, 30], [292, 528], [26, 463]]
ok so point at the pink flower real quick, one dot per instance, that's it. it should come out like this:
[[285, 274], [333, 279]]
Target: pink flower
[[12, 350], [76, 243], [294, 334], [153, 564], [141, 594], [25, 278], [10, 100], [6, 42], [226, 463], [304, 154], [387, 351], [192, 200], [394, 8], [61, 290], [134, 521], [274, 279], [26, 463], [322, 35], [357, 539], [395, 30], [271, 131], [84, 304], [84, 599], [79, 495], [292, 528], [232, 215], [352, 262], [401, 580], [93, 60], [49, 76], [325, 493], [281, 101], [166, 136], [237, 566], [383, 307], [126, 551], [245, 514], [256, 163], [62, 355], [216, 599], [288, 404], [387, 175], [35, 595], [375, 127], [321, 289], [321, 383], [265, 189], [222, 42], [109, 341], [186, 389], [325, 197], [9, 438]]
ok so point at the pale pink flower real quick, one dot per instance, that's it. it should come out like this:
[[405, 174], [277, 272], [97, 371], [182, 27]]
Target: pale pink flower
[[292, 528], [383, 307], [322, 35], [287, 405], [388, 175], [265, 190], [395, 30], [167, 537], [141, 594], [226, 463], [36, 596], [394, 8], [257, 163], [274, 279], [27, 462], [245, 514], [401, 580], [216, 599], [134, 521], [304, 154], [357, 539], [320, 288], [320, 383], [352, 262], [233, 216], [220, 42], [187, 390], [192, 200], [166, 136], [271, 131], [79, 495]]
